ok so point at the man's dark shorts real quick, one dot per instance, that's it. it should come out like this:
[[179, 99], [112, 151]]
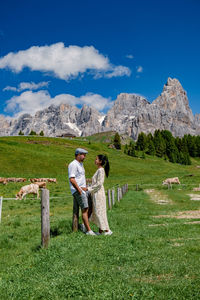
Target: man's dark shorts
[[82, 200]]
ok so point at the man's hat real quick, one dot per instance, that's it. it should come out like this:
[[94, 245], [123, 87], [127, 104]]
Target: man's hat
[[80, 151]]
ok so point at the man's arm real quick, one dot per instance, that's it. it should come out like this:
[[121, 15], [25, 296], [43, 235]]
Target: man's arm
[[75, 185]]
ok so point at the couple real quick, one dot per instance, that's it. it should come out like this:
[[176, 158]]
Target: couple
[[81, 193]]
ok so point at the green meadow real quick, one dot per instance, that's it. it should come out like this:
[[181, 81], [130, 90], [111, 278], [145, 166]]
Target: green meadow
[[154, 252]]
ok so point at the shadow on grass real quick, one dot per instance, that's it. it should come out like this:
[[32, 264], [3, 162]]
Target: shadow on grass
[[36, 248], [55, 232], [61, 227]]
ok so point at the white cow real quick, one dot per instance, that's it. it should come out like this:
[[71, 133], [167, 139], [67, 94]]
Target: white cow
[[28, 189], [33, 180], [171, 180], [41, 184], [3, 180]]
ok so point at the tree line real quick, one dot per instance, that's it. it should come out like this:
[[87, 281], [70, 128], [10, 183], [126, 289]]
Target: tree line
[[32, 132], [164, 144]]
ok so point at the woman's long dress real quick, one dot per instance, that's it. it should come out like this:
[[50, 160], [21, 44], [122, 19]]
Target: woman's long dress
[[99, 215]]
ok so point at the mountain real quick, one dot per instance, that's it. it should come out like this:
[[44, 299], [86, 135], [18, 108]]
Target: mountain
[[130, 114]]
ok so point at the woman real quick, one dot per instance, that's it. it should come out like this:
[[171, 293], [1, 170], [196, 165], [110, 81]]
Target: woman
[[99, 216]]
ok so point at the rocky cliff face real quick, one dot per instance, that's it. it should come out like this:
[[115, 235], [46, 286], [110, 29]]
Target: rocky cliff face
[[133, 114], [4, 126], [55, 121], [130, 114]]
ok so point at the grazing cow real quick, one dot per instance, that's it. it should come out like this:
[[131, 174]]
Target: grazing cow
[[197, 189], [52, 180], [11, 179], [171, 180], [41, 184], [28, 189], [20, 179], [34, 180], [3, 180]]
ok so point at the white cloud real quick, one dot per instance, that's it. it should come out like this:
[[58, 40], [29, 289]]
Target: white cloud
[[130, 56], [30, 102], [96, 100], [63, 62], [27, 86], [139, 69], [10, 88], [119, 71]]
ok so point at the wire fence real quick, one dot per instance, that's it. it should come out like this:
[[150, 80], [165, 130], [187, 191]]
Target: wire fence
[[111, 196], [132, 186]]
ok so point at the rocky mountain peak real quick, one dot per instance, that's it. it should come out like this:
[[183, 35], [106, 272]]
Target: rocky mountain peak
[[130, 100], [171, 82], [126, 104], [4, 125], [88, 113], [173, 97]]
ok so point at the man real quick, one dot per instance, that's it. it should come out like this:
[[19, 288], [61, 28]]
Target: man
[[78, 188]]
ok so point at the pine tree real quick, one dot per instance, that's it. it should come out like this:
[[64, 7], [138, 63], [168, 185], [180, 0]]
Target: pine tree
[[151, 148], [192, 149], [184, 147], [117, 141], [197, 142], [126, 149], [171, 149], [20, 133], [42, 133], [159, 143], [141, 142], [32, 132], [187, 160], [133, 151]]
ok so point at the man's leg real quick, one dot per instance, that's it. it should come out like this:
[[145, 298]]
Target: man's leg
[[85, 218], [75, 217], [89, 196], [82, 200]]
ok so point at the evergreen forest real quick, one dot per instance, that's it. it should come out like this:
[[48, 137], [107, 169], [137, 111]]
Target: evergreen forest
[[163, 144]]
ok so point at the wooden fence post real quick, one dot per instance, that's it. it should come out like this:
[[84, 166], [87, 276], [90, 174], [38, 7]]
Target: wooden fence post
[[125, 188], [118, 194], [1, 203], [109, 200], [113, 197], [75, 216], [45, 222], [136, 187]]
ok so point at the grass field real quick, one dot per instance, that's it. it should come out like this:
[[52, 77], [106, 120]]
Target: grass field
[[154, 252]]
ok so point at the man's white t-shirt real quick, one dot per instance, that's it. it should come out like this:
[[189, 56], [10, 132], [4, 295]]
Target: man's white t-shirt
[[76, 170]]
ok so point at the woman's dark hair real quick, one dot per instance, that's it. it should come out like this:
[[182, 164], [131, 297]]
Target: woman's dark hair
[[104, 163]]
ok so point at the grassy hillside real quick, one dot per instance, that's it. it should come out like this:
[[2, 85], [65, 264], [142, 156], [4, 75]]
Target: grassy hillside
[[152, 254], [108, 137], [48, 157]]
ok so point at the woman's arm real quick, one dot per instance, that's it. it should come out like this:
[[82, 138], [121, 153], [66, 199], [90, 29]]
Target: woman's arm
[[100, 180]]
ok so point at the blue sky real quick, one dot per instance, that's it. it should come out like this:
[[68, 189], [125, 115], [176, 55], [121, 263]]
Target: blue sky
[[88, 51]]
